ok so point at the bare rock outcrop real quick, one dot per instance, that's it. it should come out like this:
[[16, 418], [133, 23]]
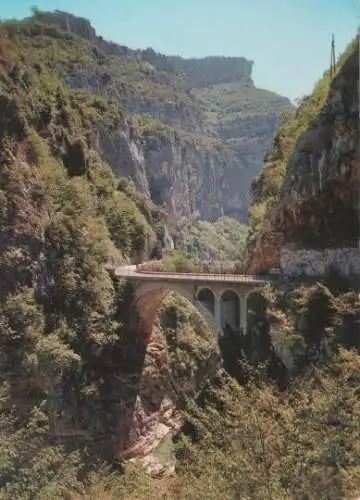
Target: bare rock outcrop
[[318, 204]]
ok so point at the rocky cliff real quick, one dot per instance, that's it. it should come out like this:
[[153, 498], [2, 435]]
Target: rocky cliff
[[306, 196], [83, 395], [200, 126]]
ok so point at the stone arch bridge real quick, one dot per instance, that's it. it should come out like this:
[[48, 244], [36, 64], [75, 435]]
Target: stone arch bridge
[[220, 298]]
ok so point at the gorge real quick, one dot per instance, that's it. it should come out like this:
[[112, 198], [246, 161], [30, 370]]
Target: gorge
[[107, 153], [197, 128]]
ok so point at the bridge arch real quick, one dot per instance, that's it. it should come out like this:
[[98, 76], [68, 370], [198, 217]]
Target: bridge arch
[[206, 297], [230, 309], [150, 295]]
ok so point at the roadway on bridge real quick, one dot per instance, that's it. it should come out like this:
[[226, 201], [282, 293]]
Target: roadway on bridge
[[131, 272]]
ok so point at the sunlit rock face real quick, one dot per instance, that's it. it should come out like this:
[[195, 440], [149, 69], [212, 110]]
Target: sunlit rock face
[[317, 206]]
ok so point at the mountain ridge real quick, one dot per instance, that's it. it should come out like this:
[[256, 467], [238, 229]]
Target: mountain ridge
[[182, 139], [174, 63]]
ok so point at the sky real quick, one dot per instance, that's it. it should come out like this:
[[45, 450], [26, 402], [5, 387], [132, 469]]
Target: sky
[[288, 40]]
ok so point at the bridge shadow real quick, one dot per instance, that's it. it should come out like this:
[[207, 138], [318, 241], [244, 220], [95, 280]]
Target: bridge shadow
[[252, 356]]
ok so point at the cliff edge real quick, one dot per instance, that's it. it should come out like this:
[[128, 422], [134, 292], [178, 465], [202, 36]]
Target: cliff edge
[[306, 196]]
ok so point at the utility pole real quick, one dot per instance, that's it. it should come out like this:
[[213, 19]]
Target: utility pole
[[332, 56]]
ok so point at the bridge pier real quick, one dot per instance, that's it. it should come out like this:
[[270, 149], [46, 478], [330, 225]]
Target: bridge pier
[[217, 314], [243, 314]]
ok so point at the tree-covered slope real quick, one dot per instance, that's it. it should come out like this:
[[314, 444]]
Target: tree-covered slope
[[44, 121], [74, 375], [257, 432], [221, 241]]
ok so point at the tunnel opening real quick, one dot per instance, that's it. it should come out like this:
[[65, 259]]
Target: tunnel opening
[[207, 299], [230, 311]]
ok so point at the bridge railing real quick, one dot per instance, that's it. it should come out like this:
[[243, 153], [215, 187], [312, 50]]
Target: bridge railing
[[239, 277]]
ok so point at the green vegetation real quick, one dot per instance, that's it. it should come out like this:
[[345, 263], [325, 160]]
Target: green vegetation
[[302, 444], [64, 217], [204, 246], [56, 125], [222, 240], [45, 46], [175, 261], [147, 126], [298, 442], [232, 108], [171, 98], [258, 437], [246, 101]]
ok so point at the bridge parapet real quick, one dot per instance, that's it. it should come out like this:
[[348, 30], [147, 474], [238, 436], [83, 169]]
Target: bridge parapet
[[199, 276]]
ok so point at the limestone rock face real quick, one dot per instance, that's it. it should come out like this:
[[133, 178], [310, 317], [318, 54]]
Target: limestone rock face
[[153, 417], [317, 204], [124, 155], [209, 127]]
